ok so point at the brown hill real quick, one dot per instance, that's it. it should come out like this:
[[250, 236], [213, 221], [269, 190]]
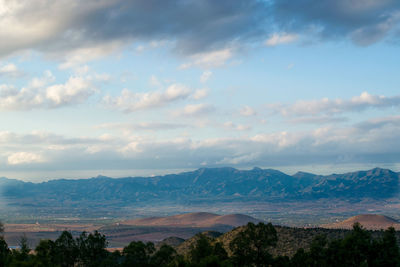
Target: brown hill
[[197, 219], [290, 239], [369, 221]]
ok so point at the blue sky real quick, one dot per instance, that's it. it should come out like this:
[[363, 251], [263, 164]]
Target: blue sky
[[125, 88]]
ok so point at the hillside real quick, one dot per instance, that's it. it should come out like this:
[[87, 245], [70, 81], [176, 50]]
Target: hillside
[[369, 221], [290, 239], [197, 219]]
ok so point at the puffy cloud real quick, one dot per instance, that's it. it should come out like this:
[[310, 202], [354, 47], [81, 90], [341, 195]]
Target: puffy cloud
[[10, 70], [75, 90], [337, 106], [24, 158], [130, 101], [39, 94]]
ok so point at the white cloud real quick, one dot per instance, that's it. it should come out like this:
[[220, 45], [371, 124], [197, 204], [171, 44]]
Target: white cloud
[[10, 70], [278, 139], [200, 94], [130, 101], [211, 59], [24, 158], [281, 38], [247, 111], [75, 90], [205, 76], [195, 110], [337, 106], [79, 56], [38, 82], [38, 94]]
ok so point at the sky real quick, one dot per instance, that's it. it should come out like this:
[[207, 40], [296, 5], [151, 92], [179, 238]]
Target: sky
[[146, 87]]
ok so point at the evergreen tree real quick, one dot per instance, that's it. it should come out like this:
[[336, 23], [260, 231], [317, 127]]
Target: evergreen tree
[[45, 253], [164, 256], [4, 252], [138, 254], [92, 248], [66, 250], [251, 246]]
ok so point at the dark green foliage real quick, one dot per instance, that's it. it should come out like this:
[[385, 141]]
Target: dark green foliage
[[299, 259], [204, 253], [317, 256], [201, 249], [45, 253], [113, 260], [385, 252], [66, 251], [21, 256], [282, 261], [92, 248], [250, 247], [357, 248], [4, 252], [138, 254], [164, 256]]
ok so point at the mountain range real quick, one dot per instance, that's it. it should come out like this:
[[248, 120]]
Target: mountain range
[[206, 186]]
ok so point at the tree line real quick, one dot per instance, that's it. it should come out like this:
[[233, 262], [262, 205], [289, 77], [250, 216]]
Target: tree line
[[250, 247]]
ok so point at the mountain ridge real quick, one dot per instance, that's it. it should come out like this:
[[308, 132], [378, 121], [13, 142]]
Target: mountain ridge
[[206, 186]]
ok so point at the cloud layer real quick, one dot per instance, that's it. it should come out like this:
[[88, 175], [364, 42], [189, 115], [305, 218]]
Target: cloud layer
[[327, 106], [64, 25], [194, 26], [372, 141]]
